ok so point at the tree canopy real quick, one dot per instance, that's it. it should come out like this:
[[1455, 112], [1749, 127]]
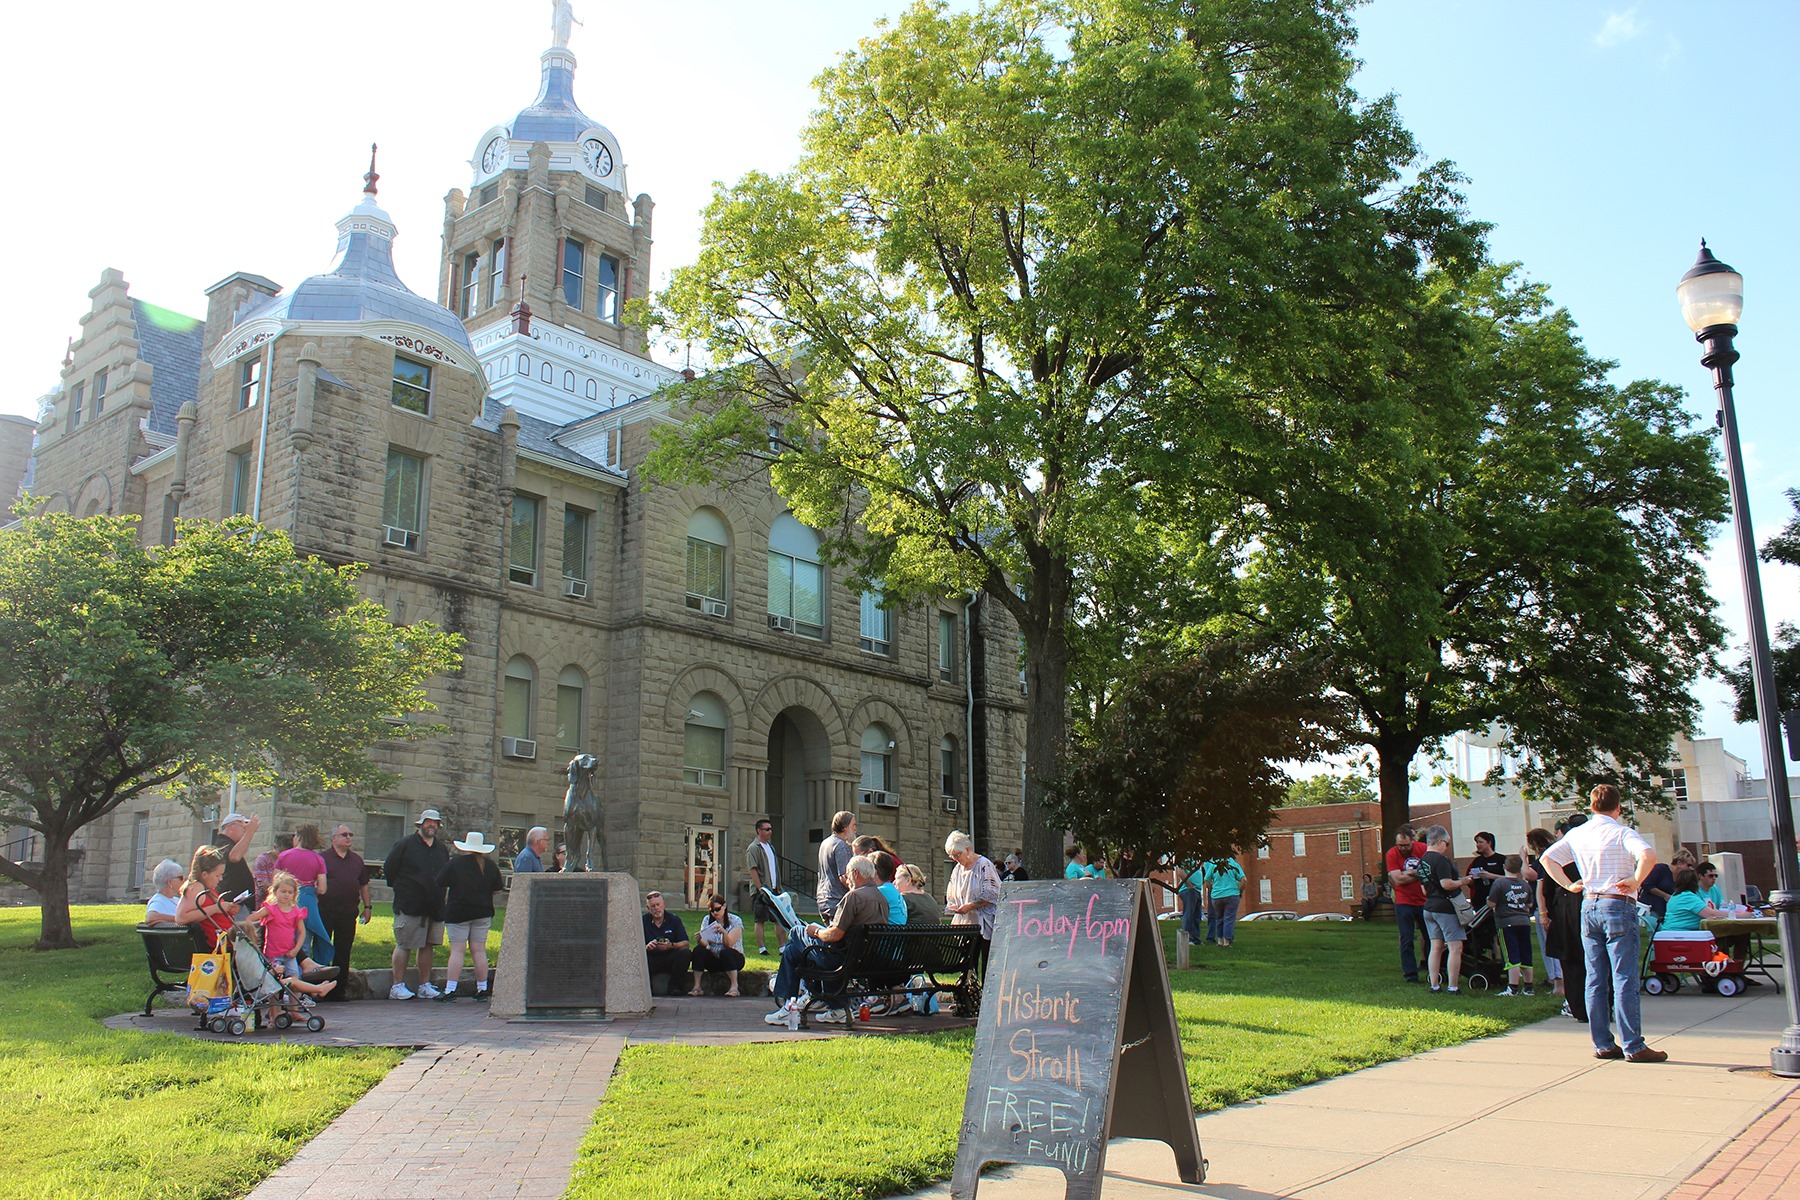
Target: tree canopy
[[1038, 260], [134, 668], [1784, 547], [1329, 789]]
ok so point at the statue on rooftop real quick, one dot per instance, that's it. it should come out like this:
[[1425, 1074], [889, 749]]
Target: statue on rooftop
[[562, 17]]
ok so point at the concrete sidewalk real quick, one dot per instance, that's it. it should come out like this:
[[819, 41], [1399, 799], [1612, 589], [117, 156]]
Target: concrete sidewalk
[[1530, 1113]]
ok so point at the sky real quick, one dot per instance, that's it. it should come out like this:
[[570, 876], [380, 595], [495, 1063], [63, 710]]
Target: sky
[[181, 143]]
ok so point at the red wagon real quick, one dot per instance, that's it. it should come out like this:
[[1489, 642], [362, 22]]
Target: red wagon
[[1696, 954]]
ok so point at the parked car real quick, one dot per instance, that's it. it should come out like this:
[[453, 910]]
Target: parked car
[[1325, 917], [1271, 914]]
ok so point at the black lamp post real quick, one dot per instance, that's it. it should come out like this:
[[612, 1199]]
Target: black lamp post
[[1712, 299]]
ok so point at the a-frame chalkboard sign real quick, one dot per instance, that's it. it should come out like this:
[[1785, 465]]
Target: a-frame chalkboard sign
[[1077, 1040]]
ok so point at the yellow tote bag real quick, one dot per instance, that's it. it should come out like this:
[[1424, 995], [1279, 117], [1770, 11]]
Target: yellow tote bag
[[209, 979]]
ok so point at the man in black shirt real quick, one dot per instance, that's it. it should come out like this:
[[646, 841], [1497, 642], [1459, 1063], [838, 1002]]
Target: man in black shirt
[[412, 870], [1437, 872], [233, 840]]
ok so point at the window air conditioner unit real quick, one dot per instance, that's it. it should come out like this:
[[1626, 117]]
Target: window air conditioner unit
[[776, 622], [395, 536], [210, 814], [949, 804], [879, 798], [576, 588], [714, 608], [518, 747]]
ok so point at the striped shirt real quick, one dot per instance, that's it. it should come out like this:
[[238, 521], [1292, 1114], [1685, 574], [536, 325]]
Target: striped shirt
[[1607, 851]]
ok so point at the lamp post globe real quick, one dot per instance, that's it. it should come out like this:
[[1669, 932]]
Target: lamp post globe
[[1712, 300]]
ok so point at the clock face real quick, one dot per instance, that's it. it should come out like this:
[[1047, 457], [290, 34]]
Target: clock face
[[597, 157], [494, 156]]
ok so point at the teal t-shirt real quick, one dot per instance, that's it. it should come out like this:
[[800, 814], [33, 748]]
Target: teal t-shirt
[[1714, 896], [896, 904], [1224, 878], [1683, 911]]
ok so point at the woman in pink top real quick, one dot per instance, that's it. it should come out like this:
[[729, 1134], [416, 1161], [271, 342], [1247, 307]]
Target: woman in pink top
[[303, 861]]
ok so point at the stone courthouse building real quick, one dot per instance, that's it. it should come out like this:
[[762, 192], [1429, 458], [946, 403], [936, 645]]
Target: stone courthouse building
[[481, 454]]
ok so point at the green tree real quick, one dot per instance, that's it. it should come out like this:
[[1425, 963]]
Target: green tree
[[1533, 566], [1329, 789], [1784, 547], [134, 668], [1035, 259], [1187, 759]]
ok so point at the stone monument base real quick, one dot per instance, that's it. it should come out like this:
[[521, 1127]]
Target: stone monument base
[[551, 983]]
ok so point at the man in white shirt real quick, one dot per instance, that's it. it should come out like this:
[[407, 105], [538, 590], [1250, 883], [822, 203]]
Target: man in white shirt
[[1614, 861], [765, 872]]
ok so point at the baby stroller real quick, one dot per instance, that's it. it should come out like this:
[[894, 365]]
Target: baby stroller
[[1483, 965], [1694, 953], [256, 994]]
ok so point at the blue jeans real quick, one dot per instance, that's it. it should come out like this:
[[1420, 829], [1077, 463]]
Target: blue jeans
[[1552, 967], [1190, 915], [1221, 918], [1611, 944], [1411, 919], [318, 938], [800, 959]]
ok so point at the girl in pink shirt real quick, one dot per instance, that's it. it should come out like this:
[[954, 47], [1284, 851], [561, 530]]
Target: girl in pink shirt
[[284, 928]]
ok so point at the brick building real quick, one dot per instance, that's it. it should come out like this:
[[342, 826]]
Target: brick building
[[481, 455], [1312, 858]]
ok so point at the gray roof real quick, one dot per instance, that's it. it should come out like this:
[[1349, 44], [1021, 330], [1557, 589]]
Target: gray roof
[[538, 436], [170, 343], [362, 287], [553, 116]]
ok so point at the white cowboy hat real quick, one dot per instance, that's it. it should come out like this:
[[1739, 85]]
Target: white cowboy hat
[[475, 844]]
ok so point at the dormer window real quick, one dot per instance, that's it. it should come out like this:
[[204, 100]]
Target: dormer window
[[412, 386], [250, 383]]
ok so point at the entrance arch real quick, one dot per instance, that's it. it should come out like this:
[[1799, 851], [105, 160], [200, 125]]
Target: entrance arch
[[797, 786]]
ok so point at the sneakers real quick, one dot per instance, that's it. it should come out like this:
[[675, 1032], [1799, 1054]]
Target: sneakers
[[481, 995], [401, 992], [445, 997], [789, 1008], [1509, 992], [1528, 991], [427, 992], [1436, 988], [841, 1016], [762, 949]]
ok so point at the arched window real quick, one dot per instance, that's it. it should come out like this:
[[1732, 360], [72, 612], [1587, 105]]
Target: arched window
[[877, 760], [707, 542], [947, 766], [517, 688], [571, 698], [796, 580], [703, 742]]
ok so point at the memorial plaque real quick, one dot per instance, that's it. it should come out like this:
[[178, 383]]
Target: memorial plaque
[[565, 956], [1077, 1039]]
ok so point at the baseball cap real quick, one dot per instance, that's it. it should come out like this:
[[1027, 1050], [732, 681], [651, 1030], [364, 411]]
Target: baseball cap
[[233, 819], [430, 814]]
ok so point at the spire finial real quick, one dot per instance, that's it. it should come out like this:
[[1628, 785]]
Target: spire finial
[[371, 177], [69, 354]]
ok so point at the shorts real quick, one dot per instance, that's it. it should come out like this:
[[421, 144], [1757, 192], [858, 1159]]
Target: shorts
[[416, 933], [760, 908], [1444, 927], [288, 967], [469, 931], [1518, 945]]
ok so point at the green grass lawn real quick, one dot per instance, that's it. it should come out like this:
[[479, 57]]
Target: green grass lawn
[[88, 1112], [853, 1117]]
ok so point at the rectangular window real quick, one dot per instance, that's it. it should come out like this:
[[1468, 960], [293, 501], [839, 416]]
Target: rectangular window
[[1300, 890], [77, 398], [947, 769], [1264, 891], [607, 271], [877, 624], [1346, 887], [497, 272], [403, 495], [796, 595], [515, 707], [140, 846], [382, 830], [1262, 850], [1299, 845], [412, 386], [705, 573], [237, 480], [875, 771], [1677, 781], [573, 254], [250, 383], [1343, 841], [576, 524], [522, 561], [703, 756], [946, 658], [487, 194], [99, 391], [568, 717], [471, 284]]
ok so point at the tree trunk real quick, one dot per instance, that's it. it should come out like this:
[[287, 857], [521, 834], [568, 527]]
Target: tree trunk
[[1394, 755], [1046, 737], [55, 932]]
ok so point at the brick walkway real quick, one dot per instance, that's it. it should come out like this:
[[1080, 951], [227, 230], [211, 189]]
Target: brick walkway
[[484, 1107], [1763, 1163]]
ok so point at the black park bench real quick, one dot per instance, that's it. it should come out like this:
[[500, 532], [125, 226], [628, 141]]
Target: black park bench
[[171, 952], [883, 960]]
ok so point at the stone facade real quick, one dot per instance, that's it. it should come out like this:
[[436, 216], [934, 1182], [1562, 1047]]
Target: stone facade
[[535, 537], [15, 459]]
